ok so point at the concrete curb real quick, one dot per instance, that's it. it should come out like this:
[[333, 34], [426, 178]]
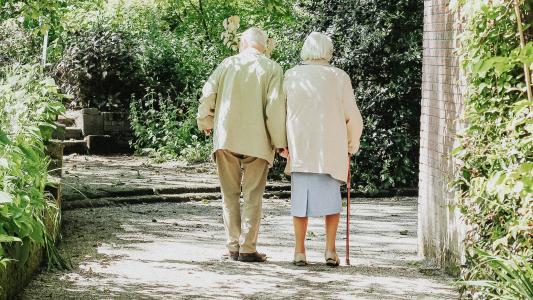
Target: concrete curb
[[146, 199], [155, 191], [179, 195]]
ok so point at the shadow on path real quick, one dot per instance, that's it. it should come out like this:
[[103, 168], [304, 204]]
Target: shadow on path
[[173, 251]]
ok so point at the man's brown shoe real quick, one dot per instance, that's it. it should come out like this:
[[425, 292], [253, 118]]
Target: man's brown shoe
[[252, 257], [234, 255]]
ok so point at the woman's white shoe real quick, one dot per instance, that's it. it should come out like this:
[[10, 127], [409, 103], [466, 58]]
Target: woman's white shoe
[[299, 259], [332, 259]]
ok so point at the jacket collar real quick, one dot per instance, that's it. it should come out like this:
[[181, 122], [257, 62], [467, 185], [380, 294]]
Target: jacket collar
[[251, 50], [316, 62]]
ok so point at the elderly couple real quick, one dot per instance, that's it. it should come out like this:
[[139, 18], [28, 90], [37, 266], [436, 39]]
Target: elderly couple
[[308, 116]]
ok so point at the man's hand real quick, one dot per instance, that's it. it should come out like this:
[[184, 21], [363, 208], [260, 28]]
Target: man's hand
[[208, 131], [283, 152]]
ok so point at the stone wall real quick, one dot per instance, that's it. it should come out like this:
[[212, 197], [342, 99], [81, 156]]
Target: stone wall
[[117, 124], [16, 276], [439, 228], [89, 131]]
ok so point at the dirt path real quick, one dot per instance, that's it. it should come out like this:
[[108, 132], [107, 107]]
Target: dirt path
[[173, 251]]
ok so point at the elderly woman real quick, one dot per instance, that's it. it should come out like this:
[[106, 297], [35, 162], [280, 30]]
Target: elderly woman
[[323, 130]]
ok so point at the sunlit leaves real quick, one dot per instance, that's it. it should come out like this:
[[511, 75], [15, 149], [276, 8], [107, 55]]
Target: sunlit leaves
[[29, 100], [9, 239], [5, 198], [495, 179], [229, 35]]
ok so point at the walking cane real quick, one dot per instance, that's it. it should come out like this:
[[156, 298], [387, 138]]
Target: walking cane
[[349, 189]]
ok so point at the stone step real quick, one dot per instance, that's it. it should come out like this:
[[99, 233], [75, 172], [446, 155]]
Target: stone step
[[67, 121], [117, 201], [74, 146], [59, 131], [54, 149], [73, 133], [144, 199], [100, 144]]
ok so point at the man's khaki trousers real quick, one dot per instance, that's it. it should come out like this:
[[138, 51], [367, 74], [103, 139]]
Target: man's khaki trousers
[[241, 229]]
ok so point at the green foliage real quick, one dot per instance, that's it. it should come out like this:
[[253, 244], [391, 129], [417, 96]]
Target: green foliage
[[508, 278], [99, 69], [164, 130], [38, 17], [16, 44], [29, 104], [165, 51], [180, 46], [495, 179], [126, 51], [379, 44]]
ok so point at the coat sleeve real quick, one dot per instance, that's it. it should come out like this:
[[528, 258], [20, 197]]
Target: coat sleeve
[[353, 118], [206, 111], [276, 109]]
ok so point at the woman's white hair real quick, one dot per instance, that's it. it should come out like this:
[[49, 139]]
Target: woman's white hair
[[255, 37], [317, 46]]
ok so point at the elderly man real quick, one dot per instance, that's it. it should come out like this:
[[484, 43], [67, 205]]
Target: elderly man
[[243, 105]]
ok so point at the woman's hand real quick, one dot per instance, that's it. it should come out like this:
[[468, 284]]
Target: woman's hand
[[284, 152]]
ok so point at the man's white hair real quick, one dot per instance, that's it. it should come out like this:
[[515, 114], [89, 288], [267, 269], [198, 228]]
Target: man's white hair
[[255, 37], [317, 46]]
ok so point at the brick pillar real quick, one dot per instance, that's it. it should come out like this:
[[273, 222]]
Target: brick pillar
[[439, 228]]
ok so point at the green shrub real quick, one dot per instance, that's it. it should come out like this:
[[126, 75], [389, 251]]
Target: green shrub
[[196, 151], [159, 53], [494, 181], [163, 129], [164, 119], [16, 45], [379, 43], [29, 104], [128, 51], [98, 68]]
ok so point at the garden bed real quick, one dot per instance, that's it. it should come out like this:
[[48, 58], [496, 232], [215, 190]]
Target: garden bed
[[17, 275]]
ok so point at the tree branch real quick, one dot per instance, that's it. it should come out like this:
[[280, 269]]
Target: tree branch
[[200, 11], [527, 73]]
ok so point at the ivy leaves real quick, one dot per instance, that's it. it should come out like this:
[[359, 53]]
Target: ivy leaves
[[503, 64], [495, 176]]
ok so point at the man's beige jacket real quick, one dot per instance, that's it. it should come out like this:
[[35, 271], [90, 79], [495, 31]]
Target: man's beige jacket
[[323, 121], [243, 102]]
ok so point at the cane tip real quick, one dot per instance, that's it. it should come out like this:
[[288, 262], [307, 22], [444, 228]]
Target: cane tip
[[347, 262]]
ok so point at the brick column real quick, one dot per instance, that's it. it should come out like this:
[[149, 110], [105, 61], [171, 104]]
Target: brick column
[[439, 227]]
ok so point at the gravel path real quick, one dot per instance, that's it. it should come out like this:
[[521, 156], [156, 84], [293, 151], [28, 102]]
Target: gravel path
[[173, 251]]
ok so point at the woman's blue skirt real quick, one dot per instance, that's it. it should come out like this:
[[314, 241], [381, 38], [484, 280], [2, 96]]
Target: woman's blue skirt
[[315, 195]]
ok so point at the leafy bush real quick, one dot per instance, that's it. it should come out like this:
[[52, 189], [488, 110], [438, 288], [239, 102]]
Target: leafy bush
[[164, 119], [16, 45], [163, 129], [29, 104], [35, 18], [495, 180], [98, 68], [159, 53], [378, 43], [170, 48], [126, 51]]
